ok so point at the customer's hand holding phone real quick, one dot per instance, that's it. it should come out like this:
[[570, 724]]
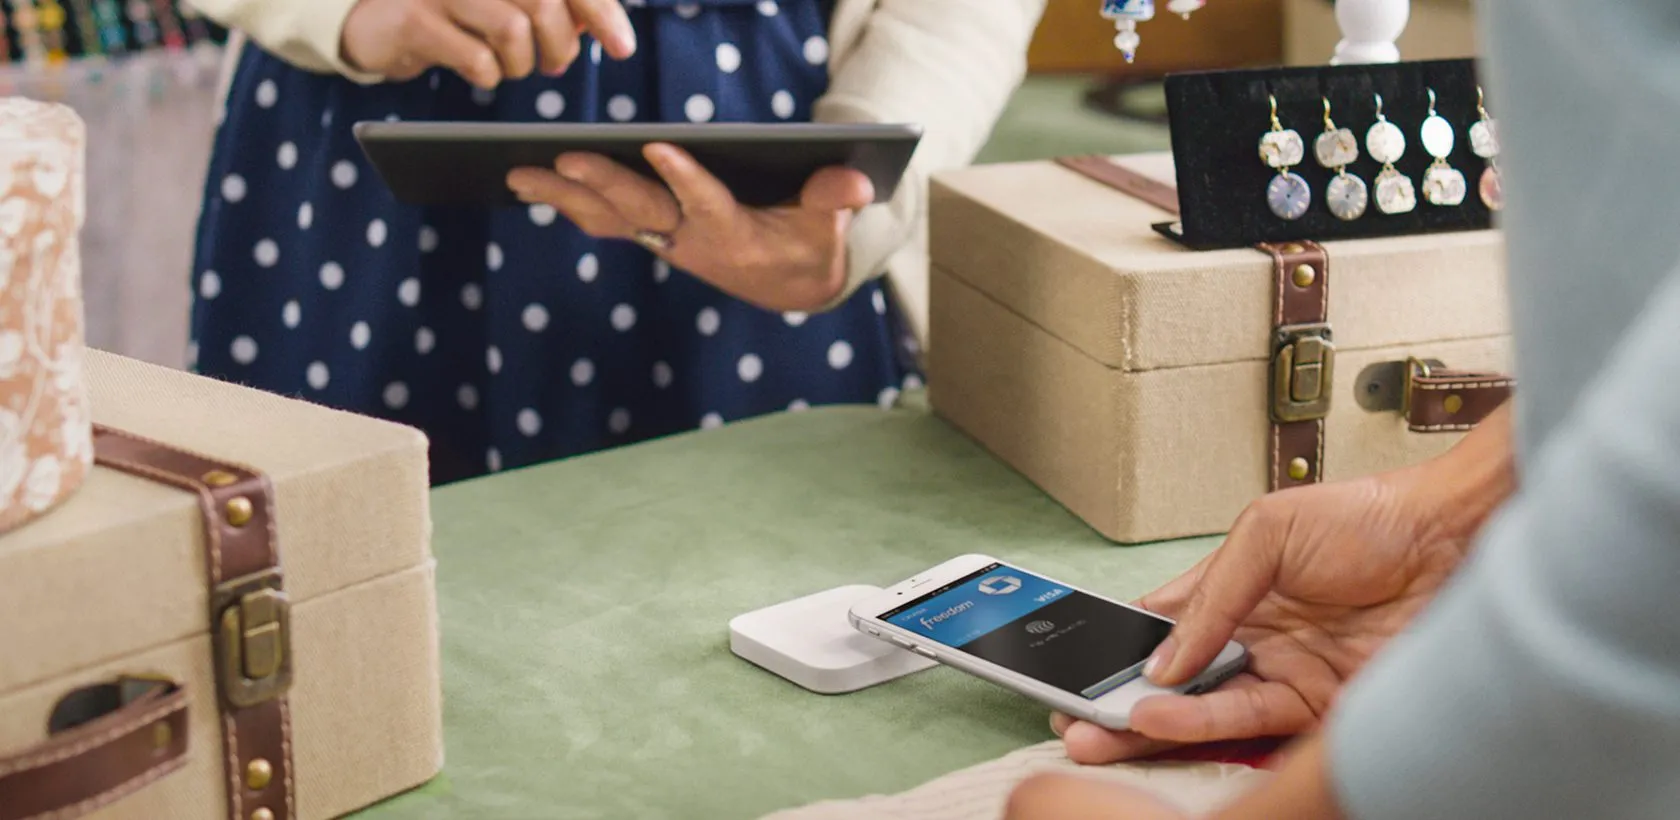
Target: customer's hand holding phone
[[485, 41], [1313, 580]]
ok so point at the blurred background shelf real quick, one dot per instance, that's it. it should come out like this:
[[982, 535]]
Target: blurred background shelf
[[1082, 97], [1437, 30], [1073, 38]]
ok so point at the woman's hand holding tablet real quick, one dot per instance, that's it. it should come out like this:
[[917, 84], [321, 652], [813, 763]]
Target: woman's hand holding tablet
[[759, 211], [784, 258]]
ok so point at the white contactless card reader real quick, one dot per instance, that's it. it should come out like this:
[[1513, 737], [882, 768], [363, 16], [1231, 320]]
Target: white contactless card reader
[[811, 642]]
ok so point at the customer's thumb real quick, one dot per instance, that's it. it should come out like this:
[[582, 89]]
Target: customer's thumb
[[1241, 573]]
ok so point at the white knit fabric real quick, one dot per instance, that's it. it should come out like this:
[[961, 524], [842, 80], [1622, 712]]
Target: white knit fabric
[[979, 792]]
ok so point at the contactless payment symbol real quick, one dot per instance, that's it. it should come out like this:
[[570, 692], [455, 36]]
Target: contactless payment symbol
[[1040, 627], [1000, 585]]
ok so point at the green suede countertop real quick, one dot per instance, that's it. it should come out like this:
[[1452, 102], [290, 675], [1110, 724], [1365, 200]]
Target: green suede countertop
[[585, 607]]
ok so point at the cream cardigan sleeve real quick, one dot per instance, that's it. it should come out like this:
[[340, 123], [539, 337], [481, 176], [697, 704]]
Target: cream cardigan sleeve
[[305, 33], [950, 65]]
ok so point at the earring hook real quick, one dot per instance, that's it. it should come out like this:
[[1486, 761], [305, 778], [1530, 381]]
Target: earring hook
[[1431, 102], [1379, 106], [1329, 124], [1276, 126], [1480, 107]]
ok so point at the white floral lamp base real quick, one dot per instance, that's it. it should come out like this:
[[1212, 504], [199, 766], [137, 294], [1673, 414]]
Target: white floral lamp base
[[46, 446]]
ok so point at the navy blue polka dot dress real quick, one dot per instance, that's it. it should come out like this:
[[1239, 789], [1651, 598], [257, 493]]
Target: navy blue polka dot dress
[[508, 335]]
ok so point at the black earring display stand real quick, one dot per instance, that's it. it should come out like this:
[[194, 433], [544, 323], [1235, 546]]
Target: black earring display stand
[[1218, 119]]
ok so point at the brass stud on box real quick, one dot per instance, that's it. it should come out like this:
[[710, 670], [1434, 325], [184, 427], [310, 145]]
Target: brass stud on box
[[262, 814], [1298, 468], [1452, 404], [1304, 276], [258, 774], [239, 511], [220, 478], [161, 735]]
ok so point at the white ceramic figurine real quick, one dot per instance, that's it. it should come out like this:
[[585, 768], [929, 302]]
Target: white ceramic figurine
[[1126, 14]]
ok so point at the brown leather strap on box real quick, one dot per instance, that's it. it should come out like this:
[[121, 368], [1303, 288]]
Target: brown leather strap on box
[[1303, 356], [112, 739], [1439, 400], [250, 623], [1435, 400], [1124, 180], [1300, 314]]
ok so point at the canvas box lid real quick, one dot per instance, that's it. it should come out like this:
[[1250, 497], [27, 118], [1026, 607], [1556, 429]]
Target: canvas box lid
[[120, 567], [1080, 260]]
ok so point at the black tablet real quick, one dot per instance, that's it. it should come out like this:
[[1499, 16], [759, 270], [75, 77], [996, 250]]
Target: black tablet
[[467, 163]]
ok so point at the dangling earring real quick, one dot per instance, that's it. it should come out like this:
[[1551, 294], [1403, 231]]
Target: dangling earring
[[1386, 144], [1484, 141], [1126, 14], [1183, 8], [1336, 149], [1288, 195], [1443, 185]]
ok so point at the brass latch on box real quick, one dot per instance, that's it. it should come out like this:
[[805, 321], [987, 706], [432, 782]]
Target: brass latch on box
[[253, 639], [1387, 387], [1303, 364]]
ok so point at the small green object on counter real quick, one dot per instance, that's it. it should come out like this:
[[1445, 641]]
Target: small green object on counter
[[585, 608]]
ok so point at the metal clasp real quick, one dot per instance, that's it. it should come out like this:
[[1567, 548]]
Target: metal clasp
[[1303, 364], [1387, 387], [253, 639], [1416, 368]]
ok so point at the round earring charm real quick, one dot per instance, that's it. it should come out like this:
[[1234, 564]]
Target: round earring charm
[[1337, 148], [1126, 14], [1484, 142], [1288, 195], [1443, 185], [1386, 144]]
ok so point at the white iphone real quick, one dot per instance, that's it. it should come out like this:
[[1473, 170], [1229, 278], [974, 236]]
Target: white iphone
[[1074, 651]]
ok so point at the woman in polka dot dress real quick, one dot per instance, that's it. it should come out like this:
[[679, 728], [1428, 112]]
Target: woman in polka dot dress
[[515, 336]]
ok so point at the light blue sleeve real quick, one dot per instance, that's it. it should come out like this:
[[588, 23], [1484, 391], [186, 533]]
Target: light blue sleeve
[[1545, 682]]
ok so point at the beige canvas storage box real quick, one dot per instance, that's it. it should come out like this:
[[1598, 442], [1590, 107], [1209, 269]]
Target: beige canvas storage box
[[1156, 391], [237, 609]]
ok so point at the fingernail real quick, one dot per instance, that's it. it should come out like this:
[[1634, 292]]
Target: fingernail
[[522, 189], [1059, 723], [1163, 656]]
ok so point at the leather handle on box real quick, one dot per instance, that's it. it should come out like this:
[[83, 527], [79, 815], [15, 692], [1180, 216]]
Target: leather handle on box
[[250, 621], [1447, 401], [117, 738]]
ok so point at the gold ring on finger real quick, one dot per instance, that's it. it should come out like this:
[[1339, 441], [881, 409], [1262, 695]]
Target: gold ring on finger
[[653, 240]]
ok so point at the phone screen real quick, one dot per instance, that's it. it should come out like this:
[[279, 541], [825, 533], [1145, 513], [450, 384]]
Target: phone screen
[[1059, 636]]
